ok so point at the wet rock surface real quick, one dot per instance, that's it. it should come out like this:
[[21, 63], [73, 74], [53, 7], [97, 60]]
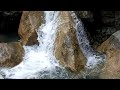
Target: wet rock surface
[[67, 49], [29, 23], [111, 47], [11, 54]]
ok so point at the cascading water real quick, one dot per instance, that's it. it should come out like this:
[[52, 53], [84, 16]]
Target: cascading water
[[92, 58], [39, 61]]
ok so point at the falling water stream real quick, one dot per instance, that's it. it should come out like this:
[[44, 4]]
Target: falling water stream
[[39, 61], [92, 58], [95, 60]]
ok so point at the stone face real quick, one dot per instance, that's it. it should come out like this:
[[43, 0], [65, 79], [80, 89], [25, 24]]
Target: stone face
[[29, 23], [67, 49], [11, 54], [111, 47]]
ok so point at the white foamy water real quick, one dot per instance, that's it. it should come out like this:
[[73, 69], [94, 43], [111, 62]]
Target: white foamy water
[[92, 59], [38, 58]]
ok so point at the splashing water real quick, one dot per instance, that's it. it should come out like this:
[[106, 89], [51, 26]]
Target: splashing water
[[39, 58], [92, 58]]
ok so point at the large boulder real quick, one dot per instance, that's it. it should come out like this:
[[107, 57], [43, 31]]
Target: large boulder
[[11, 54], [67, 49], [111, 47], [29, 23]]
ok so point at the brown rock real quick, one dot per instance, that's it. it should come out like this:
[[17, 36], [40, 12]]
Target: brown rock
[[30, 22], [67, 49], [111, 47], [10, 54]]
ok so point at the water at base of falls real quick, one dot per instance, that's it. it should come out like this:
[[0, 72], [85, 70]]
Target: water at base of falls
[[37, 65]]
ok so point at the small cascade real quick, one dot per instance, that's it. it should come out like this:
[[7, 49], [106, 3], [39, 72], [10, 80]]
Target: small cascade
[[93, 57], [39, 61]]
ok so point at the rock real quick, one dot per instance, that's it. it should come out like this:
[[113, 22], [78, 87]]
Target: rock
[[101, 35], [108, 18], [11, 54], [29, 23], [67, 49], [109, 21], [108, 13], [111, 47], [84, 14]]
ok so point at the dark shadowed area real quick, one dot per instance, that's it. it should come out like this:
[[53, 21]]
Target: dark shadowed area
[[9, 24]]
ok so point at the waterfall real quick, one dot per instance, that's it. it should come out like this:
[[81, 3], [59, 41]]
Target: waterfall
[[92, 58], [39, 61]]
